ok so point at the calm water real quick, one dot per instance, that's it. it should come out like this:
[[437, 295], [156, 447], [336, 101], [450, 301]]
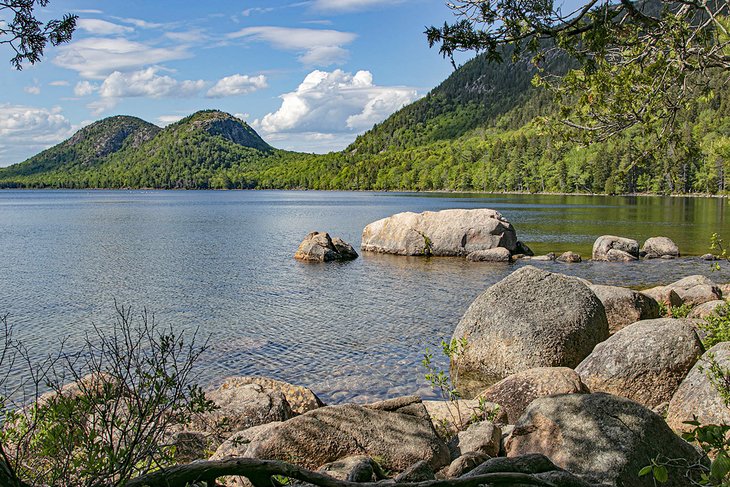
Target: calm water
[[222, 261]]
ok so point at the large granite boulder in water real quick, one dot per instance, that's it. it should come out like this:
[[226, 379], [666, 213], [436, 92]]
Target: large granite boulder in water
[[603, 438], [531, 318], [446, 232], [615, 249], [645, 361], [659, 247]]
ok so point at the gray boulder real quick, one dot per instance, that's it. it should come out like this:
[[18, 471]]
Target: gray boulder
[[644, 362], [482, 437], [615, 249], [356, 468], [240, 407], [446, 232], [659, 247], [300, 399], [319, 247], [539, 466], [704, 310], [419, 472], [516, 392], [698, 396], [465, 463], [450, 417], [694, 290], [569, 257], [499, 254], [664, 295], [531, 318], [601, 438], [333, 432], [625, 306]]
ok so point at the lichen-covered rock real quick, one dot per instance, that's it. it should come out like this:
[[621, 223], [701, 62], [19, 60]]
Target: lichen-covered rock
[[569, 257], [601, 438], [659, 247], [330, 433], [356, 468], [644, 362], [665, 295], [697, 396], [446, 233], [516, 392], [532, 318], [499, 254], [695, 290], [625, 306], [615, 249], [320, 247], [449, 417], [301, 399]]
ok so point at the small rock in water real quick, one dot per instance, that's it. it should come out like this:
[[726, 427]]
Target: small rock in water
[[709, 257], [659, 247], [319, 247], [547, 257], [615, 249], [569, 257]]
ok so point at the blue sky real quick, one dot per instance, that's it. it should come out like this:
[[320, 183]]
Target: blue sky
[[307, 75]]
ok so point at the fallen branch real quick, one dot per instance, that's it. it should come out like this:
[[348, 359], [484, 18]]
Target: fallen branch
[[259, 472]]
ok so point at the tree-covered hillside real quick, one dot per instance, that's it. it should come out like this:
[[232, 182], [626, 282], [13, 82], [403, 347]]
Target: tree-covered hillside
[[481, 130]]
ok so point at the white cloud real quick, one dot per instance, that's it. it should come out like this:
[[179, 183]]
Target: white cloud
[[237, 84], [143, 83], [60, 82], [147, 83], [102, 27], [256, 10], [142, 24], [26, 130], [335, 106], [32, 90], [242, 116], [349, 5], [84, 88], [168, 119], [318, 47], [88, 11], [97, 57], [195, 35]]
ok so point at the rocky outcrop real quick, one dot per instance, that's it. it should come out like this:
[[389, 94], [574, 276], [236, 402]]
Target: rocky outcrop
[[645, 361], [446, 233], [333, 432], [665, 295], [319, 247], [601, 438], [300, 399], [241, 406], [532, 318], [569, 258], [516, 392], [659, 247], [695, 290], [698, 396], [625, 306], [615, 249], [499, 254]]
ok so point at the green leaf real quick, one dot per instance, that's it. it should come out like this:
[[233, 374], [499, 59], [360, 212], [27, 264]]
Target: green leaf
[[645, 471], [660, 474], [720, 467]]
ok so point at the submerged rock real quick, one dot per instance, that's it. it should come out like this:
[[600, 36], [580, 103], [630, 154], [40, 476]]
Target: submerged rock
[[615, 249], [319, 247], [531, 318], [601, 438], [300, 399], [499, 254], [659, 247], [644, 362], [440, 233]]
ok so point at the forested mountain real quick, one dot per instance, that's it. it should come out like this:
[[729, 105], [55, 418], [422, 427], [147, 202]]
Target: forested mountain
[[480, 130]]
